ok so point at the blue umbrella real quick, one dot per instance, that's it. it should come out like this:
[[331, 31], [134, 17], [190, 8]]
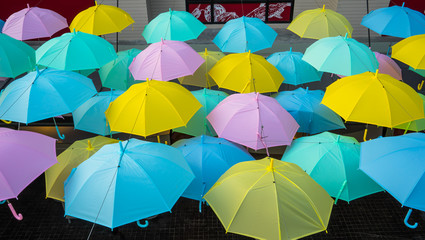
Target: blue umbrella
[[397, 164], [126, 182], [90, 116], [245, 34], [293, 68], [304, 106], [209, 158], [1, 25], [395, 21]]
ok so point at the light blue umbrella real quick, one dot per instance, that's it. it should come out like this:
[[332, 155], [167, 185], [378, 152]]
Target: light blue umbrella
[[209, 158], [75, 51], [173, 25], [90, 116], [43, 94], [396, 21], [341, 55], [397, 164], [293, 68], [304, 106], [125, 182], [245, 34], [116, 74], [198, 124], [333, 162], [16, 57]]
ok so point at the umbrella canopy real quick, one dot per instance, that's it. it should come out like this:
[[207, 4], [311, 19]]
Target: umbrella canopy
[[320, 23], [293, 68], [304, 106], [245, 73], [16, 57], [101, 19], [396, 21], [200, 77], [34, 22], [333, 162], [115, 74], [1, 25], [253, 120], [125, 182], [341, 55], [418, 71], [270, 199], [44, 94], [151, 107], [410, 51], [78, 152], [374, 98], [90, 116], [165, 60], [245, 34], [75, 51], [173, 25], [417, 125], [209, 158], [25, 156], [198, 124]]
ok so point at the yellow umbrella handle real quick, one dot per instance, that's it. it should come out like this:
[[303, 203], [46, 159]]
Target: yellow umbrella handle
[[7, 122], [420, 85], [364, 135]]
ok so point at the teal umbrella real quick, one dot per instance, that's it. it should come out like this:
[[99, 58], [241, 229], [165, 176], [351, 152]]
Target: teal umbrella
[[198, 124], [75, 51], [418, 71], [333, 162], [16, 57], [115, 74], [173, 25]]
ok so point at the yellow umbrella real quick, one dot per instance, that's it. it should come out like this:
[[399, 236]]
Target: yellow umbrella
[[151, 107], [100, 20], [270, 199], [374, 98], [320, 23], [75, 154], [417, 125], [200, 78], [245, 73], [411, 51]]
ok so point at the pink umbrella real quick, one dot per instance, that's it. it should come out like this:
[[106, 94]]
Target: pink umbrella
[[165, 60], [253, 120], [25, 156], [33, 22]]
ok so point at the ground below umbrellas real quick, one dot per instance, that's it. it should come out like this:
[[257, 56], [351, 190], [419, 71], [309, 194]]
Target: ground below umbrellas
[[377, 216]]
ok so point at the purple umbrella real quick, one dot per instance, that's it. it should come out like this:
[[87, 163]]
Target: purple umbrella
[[33, 22], [165, 60], [253, 120], [25, 156]]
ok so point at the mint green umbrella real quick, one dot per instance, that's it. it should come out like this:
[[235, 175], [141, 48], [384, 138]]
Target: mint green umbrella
[[333, 162], [115, 74], [16, 57], [198, 124]]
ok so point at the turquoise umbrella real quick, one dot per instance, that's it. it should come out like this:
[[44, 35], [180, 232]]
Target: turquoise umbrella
[[16, 57], [341, 55], [304, 105], [173, 25], [90, 116], [75, 51], [198, 124], [333, 162], [126, 182], [293, 68], [115, 74]]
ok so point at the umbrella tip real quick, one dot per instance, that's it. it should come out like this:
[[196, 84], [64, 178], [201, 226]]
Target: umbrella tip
[[323, 9], [346, 35], [403, 4], [376, 73], [270, 167], [28, 5], [95, 2], [206, 51], [169, 9], [89, 146], [290, 49]]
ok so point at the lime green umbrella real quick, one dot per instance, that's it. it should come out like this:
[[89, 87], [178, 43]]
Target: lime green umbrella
[[16, 57], [198, 124], [115, 74], [417, 125]]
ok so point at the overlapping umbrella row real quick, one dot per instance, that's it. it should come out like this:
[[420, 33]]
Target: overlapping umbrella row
[[100, 188]]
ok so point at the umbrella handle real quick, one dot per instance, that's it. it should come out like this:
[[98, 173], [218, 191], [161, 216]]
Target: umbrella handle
[[61, 136], [406, 219], [420, 85], [7, 122], [1, 202], [18, 216], [146, 224], [364, 135]]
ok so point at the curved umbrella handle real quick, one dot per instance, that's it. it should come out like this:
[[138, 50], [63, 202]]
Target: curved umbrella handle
[[18, 216], [364, 136], [146, 224], [406, 219], [420, 85], [1, 202], [7, 122], [61, 136]]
